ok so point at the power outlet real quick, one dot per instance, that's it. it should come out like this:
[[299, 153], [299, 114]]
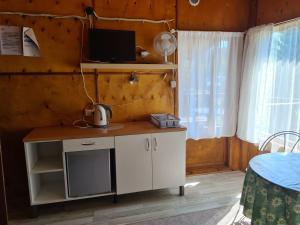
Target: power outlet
[[173, 84]]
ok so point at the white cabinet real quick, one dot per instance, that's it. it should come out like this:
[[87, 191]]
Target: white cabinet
[[133, 163], [168, 159], [150, 161], [142, 157]]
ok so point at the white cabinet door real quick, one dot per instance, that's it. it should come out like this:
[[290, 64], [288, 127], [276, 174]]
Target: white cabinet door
[[168, 158], [133, 163]]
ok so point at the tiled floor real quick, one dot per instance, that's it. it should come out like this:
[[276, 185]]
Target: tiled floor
[[202, 193]]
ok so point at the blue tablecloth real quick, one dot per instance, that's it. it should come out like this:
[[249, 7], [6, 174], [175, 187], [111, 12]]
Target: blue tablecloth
[[282, 169]]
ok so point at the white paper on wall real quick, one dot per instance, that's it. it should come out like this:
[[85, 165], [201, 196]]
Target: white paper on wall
[[30, 43], [11, 40], [18, 41]]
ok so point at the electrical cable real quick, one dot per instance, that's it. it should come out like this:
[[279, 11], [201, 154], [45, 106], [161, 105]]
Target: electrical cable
[[45, 15], [84, 87], [85, 123], [54, 16], [133, 20], [169, 27], [81, 123]]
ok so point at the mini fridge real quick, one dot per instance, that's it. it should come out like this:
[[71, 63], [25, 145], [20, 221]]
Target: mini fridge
[[88, 172]]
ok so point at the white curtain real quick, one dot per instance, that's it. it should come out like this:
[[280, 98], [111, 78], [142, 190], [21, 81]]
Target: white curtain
[[209, 79], [270, 90]]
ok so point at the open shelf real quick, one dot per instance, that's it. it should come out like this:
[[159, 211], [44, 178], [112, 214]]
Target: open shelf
[[50, 193], [48, 188], [48, 165], [44, 157], [111, 67]]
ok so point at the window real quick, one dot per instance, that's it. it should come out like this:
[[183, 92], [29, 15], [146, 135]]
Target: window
[[270, 92], [209, 79]]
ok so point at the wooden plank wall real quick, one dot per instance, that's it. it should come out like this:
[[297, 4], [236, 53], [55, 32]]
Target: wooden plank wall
[[46, 91], [274, 11], [268, 11], [214, 15]]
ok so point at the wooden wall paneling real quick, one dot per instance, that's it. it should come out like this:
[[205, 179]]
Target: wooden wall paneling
[[240, 153], [74, 7], [60, 44], [214, 15], [252, 13], [206, 155], [234, 147], [35, 101], [30, 101], [59, 39], [151, 94], [132, 102], [151, 9], [273, 11]]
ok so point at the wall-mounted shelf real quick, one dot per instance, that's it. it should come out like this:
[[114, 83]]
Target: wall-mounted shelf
[[111, 67]]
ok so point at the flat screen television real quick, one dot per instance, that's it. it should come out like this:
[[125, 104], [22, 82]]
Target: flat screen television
[[114, 46]]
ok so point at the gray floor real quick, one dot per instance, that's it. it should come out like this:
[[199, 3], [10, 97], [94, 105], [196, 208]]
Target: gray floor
[[201, 193]]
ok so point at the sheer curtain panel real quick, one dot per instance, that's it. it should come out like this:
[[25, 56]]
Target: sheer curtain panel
[[256, 58], [209, 79], [270, 93]]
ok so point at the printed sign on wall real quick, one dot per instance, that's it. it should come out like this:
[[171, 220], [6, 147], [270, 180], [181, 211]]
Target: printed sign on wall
[[18, 41]]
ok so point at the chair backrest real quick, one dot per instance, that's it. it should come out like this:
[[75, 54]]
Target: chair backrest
[[290, 139]]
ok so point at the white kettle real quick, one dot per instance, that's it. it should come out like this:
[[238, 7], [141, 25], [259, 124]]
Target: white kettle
[[102, 115]]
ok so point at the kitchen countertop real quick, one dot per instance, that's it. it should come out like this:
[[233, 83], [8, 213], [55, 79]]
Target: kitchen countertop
[[70, 132]]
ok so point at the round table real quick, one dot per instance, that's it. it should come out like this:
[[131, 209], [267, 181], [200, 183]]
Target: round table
[[271, 192]]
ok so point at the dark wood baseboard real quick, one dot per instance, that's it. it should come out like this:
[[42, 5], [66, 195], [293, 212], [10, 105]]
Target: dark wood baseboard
[[204, 169]]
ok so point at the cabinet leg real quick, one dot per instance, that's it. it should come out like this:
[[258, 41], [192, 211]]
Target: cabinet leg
[[34, 211], [115, 199], [181, 190]]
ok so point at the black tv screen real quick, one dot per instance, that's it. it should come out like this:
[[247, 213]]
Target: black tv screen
[[111, 45]]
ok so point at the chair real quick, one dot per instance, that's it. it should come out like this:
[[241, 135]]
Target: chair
[[267, 145]]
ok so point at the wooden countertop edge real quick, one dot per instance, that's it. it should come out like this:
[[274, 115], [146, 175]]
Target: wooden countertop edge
[[69, 132]]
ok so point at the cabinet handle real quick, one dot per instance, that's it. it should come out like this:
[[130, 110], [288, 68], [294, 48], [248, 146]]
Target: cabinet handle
[[148, 145], [88, 144], [155, 144]]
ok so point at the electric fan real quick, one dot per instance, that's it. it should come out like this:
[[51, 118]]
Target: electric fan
[[165, 44]]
